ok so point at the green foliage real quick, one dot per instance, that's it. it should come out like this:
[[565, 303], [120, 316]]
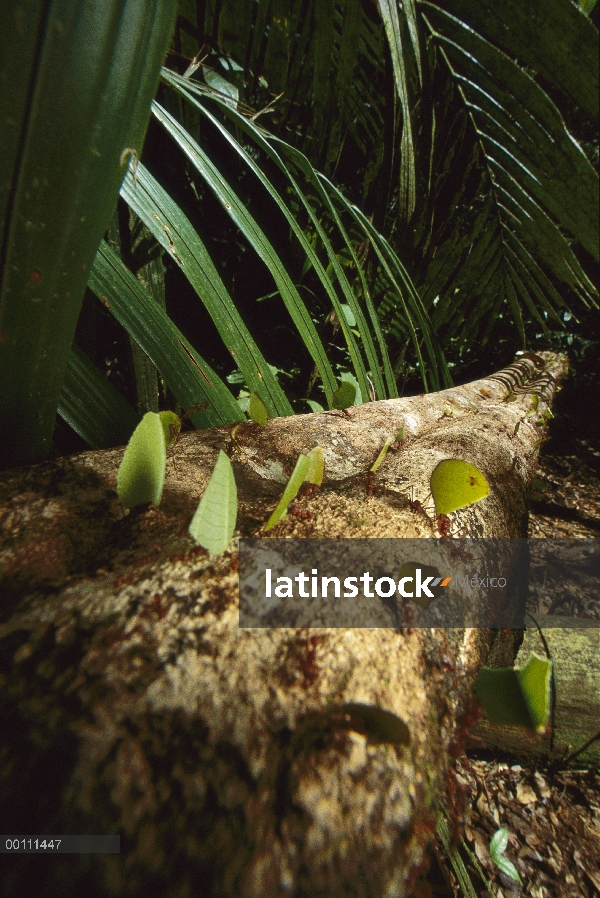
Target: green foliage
[[92, 406], [76, 89], [192, 380], [456, 484], [171, 426], [497, 848], [518, 697], [344, 396], [214, 521], [141, 474], [257, 410], [395, 179], [458, 865], [316, 467], [384, 449], [290, 492], [308, 469]]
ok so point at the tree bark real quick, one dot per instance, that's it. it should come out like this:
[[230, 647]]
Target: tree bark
[[241, 762]]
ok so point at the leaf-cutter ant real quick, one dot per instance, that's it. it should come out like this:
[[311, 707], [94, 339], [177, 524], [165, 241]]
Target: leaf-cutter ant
[[443, 525], [301, 513], [442, 521]]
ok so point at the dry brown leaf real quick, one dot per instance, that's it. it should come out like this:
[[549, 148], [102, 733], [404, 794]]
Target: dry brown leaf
[[525, 794]]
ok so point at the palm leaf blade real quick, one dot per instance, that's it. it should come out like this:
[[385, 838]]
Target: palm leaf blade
[[191, 379]]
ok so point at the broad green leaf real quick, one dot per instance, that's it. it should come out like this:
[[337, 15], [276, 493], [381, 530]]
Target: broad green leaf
[[534, 678], [171, 426], [317, 466], [298, 476], [348, 377], [344, 396], [517, 697], [257, 410], [92, 406], [214, 521], [141, 474], [456, 484]]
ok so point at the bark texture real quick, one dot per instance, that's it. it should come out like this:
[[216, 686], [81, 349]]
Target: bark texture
[[243, 763]]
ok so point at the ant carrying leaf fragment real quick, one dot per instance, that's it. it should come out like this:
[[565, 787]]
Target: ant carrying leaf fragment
[[309, 468]]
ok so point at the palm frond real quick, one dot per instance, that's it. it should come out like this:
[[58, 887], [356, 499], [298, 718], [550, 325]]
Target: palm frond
[[92, 406], [192, 380], [506, 191]]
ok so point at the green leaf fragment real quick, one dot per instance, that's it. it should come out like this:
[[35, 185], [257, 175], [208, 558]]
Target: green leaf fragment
[[315, 407], [214, 522], [382, 455], [348, 314], [344, 396], [141, 474], [456, 484], [317, 466], [171, 426], [257, 410], [517, 697], [290, 492]]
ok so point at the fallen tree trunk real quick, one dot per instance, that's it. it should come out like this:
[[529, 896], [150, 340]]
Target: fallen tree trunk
[[240, 762]]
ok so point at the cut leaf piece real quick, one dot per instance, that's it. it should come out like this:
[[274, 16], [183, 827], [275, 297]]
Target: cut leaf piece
[[257, 410], [344, 396], [171, 425], [214, 521], [382, 455], [298, 477], [517, 697], [141, 474], [315, 407], [456, 484], [317, 466]]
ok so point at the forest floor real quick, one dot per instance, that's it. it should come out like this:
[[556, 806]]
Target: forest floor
[[552, 815]]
